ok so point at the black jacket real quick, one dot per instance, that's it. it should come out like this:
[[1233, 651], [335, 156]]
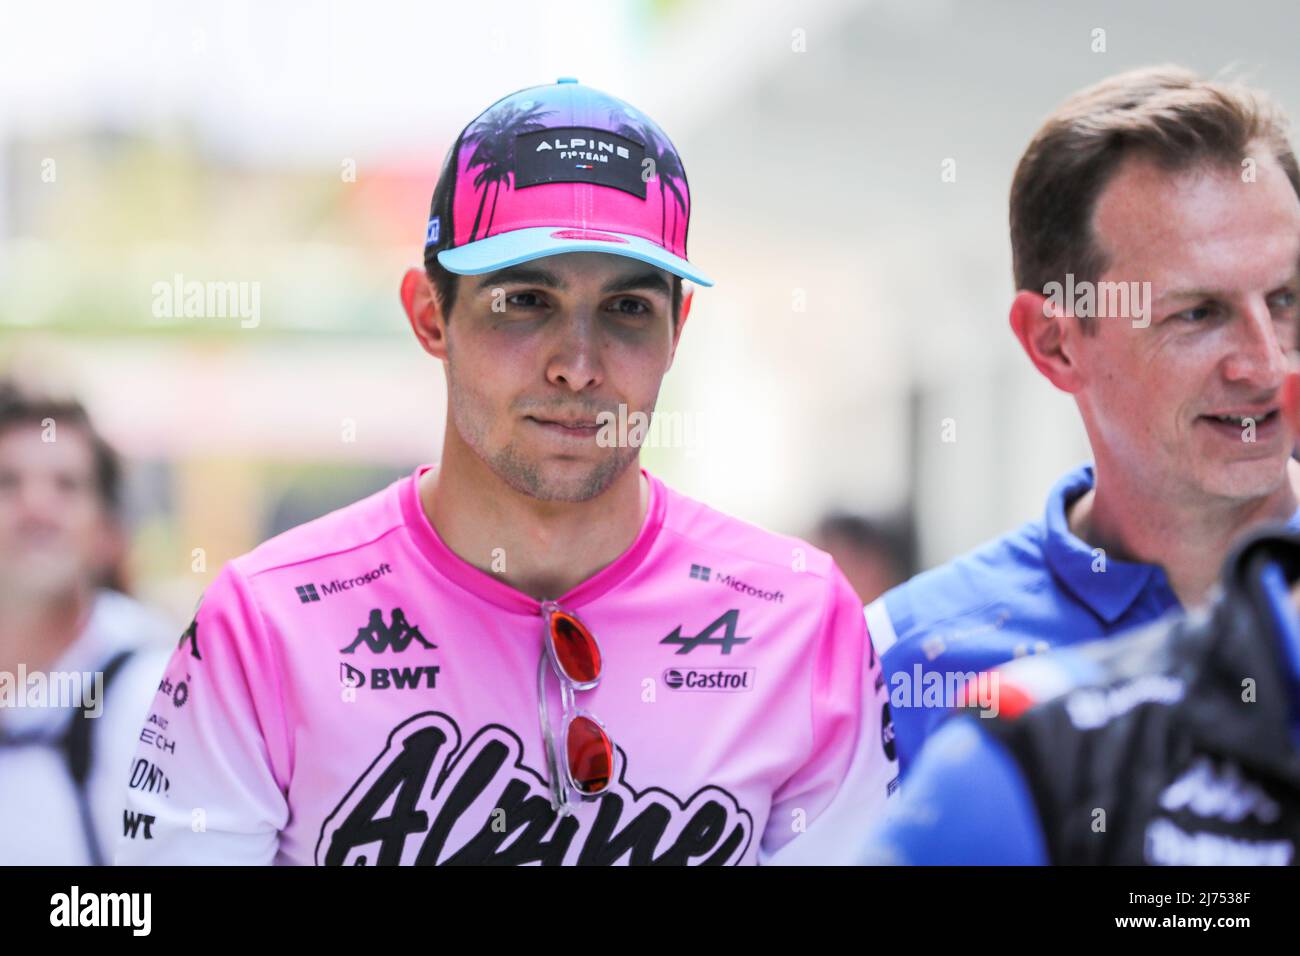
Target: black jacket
[[1181, 751]]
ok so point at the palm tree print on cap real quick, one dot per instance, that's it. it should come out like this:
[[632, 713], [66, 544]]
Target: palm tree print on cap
[[668, 169], [493, 142]]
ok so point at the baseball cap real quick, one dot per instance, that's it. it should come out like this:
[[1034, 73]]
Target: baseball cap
[[560, 168]]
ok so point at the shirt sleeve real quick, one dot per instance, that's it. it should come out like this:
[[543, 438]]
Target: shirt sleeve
[[966, 803], [902, 660], [207, 783], [851, 772]]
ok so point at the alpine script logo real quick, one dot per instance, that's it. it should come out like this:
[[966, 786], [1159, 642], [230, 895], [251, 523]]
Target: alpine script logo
[[427, 800]]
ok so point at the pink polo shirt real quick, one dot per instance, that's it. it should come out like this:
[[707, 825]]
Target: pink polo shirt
[[352, 692]]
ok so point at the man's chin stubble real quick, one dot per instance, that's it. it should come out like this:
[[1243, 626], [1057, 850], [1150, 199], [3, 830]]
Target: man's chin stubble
[[528, 479]]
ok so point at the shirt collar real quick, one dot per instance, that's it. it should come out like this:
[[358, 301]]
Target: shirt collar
[[1071, 559], [1109, 593], [496, 591]]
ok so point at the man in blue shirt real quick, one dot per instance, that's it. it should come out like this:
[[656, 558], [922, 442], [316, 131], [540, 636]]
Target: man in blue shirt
[[1155, 230], [1178, 744]]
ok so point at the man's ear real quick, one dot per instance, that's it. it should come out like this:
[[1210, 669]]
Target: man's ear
[[422, 311], [1047, 334], [688, 296]]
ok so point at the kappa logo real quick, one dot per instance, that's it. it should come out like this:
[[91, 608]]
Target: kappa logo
[[725, 641], [379, 636], [428, 800], [191, 634]]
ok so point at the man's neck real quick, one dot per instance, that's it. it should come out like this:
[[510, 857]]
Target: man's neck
[[542, 548], [1189, 542], [35, 633]]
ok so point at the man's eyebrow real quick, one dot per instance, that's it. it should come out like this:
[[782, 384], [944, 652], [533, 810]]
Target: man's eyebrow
[[529, 275], [1216, 294], [1190, 293], [653, 281]]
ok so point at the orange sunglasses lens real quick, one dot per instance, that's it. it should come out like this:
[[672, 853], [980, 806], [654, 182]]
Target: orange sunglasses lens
[[591, 755], [575, 648]]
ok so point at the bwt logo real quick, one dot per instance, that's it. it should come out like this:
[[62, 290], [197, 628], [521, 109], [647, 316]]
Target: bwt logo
[[728, 679], [389, 678]]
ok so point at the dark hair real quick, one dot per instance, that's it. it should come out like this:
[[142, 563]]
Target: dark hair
[[1163, 113], [20, 407], [444, 285], [892, 538]]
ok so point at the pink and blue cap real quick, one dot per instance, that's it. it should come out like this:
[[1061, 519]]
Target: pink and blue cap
[[555, 169]]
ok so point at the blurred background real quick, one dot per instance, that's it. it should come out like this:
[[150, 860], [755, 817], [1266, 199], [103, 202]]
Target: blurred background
[[849, 164]]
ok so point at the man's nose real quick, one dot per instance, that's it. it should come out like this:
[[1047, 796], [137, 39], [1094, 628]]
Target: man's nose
[[1259, 358], [575, 362]]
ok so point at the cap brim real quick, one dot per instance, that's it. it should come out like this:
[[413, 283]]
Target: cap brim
[[521, 245]]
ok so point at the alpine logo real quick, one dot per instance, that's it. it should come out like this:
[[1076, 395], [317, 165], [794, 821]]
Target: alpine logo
[[431, 799], [728, 679], [307, 593], [709, 636], [379, 636], [578, 154]]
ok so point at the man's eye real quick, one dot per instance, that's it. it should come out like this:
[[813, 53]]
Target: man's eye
[[1198, 314], [524, 300], [629, 306], [1284, 300]]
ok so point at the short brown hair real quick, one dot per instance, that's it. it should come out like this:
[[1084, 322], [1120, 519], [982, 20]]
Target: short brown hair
[[1164, 113], [444, 285], [21, 406]]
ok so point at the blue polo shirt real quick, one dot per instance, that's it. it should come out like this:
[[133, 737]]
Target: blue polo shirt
[[1035, 589]]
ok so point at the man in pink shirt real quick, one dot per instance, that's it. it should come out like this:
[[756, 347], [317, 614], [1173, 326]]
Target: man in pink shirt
[[533, 651]]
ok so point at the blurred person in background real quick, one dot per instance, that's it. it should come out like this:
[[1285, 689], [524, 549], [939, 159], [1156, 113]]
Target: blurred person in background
[[65, 758], [1155, 232], [875, 555], [1177, 744], [533, 651]]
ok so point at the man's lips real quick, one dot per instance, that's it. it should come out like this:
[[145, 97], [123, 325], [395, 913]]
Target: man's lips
[[569, 427], [1239, 418]]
